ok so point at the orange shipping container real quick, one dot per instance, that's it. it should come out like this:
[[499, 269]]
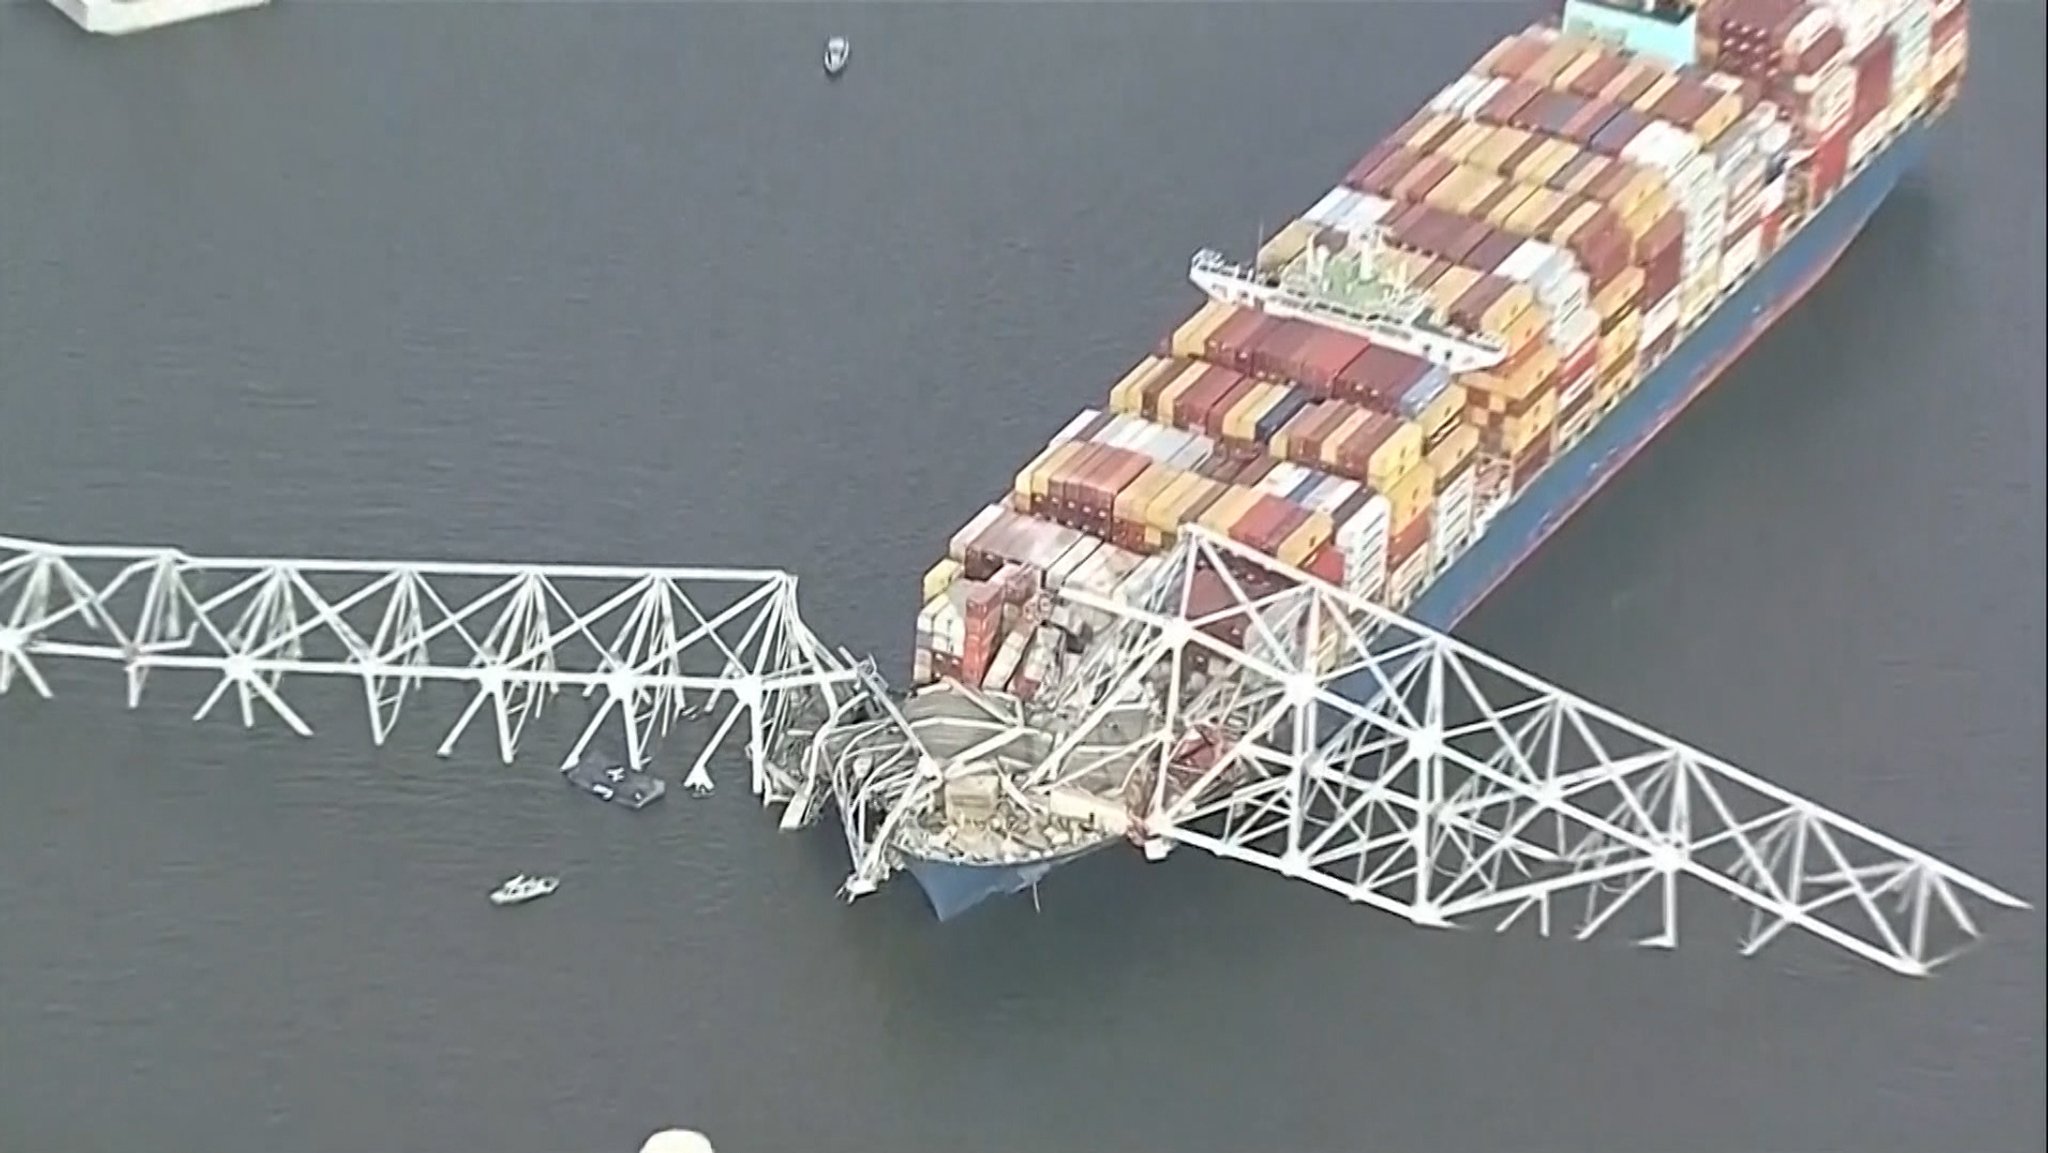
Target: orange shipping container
[[1177, 390], [1515, 433], [1561, 54], [1453, 453], [1193, 335], [1223, 516], [1534, 211], [1191, 503], [1244, 418], [1459, 144], [1510, 315], [1287, 244], [1034, 484], [1138, 496], [1299, 545], [1441, 416], [1723, 114], [1621, 294], [1540, 164], [1452, 285], [1648, 97], [1377, 450], [1353, 419], [1158, 512], [1126, 396], [1588, 59], [1498, 144], [1426, 131], [1637, 78], [1409, 496]]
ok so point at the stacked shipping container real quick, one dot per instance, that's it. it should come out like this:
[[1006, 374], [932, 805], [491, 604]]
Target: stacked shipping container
[[1583, 206]]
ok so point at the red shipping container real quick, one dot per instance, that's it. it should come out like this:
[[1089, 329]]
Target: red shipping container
[[1490, 252], [1186, 407], [1373, 159], [1211, 420], [1873, 68], [1277, 351], [1407, 542], [1531, 462], [1662, 255], [1308, 449], [1829, 163], [1380, 377], [1514, 96], [1380, 179], [1513, 57], [1323, 358], [1428, 172], [1148, 400], [1230, 345], [1255, 470], [1326, 564]]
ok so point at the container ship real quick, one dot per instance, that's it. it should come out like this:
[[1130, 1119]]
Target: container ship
[[1406, 390]]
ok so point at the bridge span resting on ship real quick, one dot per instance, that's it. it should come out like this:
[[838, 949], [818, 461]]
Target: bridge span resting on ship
[[1306, 730]]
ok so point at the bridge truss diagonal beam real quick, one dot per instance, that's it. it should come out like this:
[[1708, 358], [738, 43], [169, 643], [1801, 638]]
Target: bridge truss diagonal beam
[[724, 649], [1314, 733]]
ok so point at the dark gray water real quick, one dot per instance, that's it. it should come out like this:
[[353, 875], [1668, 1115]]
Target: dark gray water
[[631, 282]]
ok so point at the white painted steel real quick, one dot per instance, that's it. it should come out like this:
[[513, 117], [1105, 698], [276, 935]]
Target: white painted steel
[[1412, 773], [1386, 762], [654, 642]]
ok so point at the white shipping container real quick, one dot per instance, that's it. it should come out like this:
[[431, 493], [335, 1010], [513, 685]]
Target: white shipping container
[[1575, 427], [1060, 571], [1048, 543], [1328, 208], [1190, 458], [1454, 509], [1331, 210], [1742, 257], [1660, 318], [949, 630], [1407, 580], [1367, 213], [958, 545], [1072, 430], [1283, 479], [1466, 95], [1832, 99], [1572, 336], [1571, 390], [921, 666], [1008, 658]]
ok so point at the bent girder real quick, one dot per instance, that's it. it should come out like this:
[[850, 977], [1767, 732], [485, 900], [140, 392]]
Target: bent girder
[[656, 646], [1406, 770]]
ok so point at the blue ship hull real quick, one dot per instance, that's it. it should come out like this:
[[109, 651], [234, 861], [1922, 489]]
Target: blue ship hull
[[1572, 479]]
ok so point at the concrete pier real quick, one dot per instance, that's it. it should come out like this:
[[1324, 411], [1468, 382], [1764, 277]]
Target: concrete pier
[[120, 17]]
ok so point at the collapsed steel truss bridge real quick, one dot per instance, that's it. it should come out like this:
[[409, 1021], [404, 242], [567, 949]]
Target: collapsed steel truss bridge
[[1343, 744]]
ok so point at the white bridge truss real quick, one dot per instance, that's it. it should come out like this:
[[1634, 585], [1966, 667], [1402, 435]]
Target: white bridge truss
[[1240, 707], [718, 648], [1405, 770]]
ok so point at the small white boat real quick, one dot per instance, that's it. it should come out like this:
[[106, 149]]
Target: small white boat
[[837, 50], [523, 888]]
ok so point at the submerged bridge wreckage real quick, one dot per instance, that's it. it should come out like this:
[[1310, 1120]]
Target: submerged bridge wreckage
[[1297, 728]]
